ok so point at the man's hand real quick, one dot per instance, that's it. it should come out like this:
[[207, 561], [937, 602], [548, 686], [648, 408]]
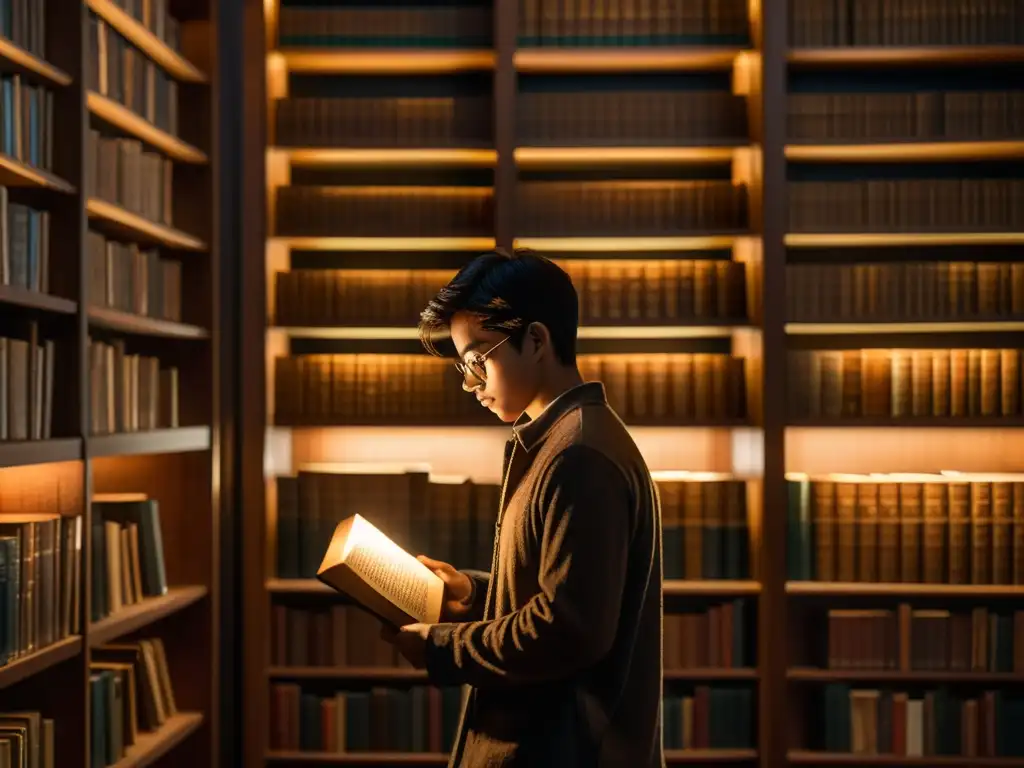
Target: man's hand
[[458, 589], [411, 642]]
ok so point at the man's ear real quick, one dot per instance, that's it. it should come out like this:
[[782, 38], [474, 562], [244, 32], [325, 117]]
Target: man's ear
[[540, 337]]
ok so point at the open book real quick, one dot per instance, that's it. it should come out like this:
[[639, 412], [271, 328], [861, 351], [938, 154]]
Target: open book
[[378, 574]]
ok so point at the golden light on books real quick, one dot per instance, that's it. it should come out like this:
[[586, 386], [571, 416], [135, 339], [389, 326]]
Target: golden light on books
[[380, 576]]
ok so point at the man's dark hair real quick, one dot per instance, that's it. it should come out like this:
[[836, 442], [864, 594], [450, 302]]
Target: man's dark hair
[[508, 292]]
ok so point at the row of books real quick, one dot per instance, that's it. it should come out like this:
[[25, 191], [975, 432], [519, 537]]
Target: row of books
[[124, 74], [617, 118], [154, 16], [718, 637], [40, 581], [130, 694], [124, 277], [904, 383], [319, 390], [630, 207], [706, 534], [347, 637], [26, 121], [24, 24], [26, 387], [27, 738], [910, 116], [415, 719], [902, 205], [424, 26], [373, 121], [932, 290], [312, 211], [837, 23], [936, 529], [925, 639], [639, 22], [711, 717], [129, 392], [127, 552], [609, 291], [448, 518], [868, 722], [341, 636], [24, 245], [120, 171]]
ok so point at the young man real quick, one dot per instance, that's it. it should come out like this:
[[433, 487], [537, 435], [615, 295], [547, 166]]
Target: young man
[[561, 642]]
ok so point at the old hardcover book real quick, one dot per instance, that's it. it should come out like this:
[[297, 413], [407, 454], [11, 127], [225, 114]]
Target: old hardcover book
[[380, 576]]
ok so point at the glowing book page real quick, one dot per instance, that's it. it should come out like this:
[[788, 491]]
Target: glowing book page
[[381, 576]]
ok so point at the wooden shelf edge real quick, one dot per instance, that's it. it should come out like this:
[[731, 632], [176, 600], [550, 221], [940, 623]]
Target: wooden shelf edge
[[299, 243], [44, 302], [895, 675], [621, 59], [29, 452], [177, 440], [668, 243], [922, 55], [153, 745], [16, 173], [908, 151], [123, 118], [360, 758], [142, 325], [872, 589], [392, 60], [32, 63], [740, 673], [142, 614], [993, 325], [873, 239], [137, 225], [678, 329], [542, 155], [931, 761], [325, 157], [147, 42], [911, 422], [34, 663]]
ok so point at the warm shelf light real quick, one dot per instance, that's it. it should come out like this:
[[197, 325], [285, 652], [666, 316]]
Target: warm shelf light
[[129, 122], [313, 157], [903, 449], [874, 239], [828, 329], [605, 244], [138, 35], [909, 151], [544, 156], [477, 452], [385, 243], [586, 332], [624, 60], [333, 61]]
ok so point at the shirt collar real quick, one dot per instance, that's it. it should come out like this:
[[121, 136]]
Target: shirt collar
[[531, 433]]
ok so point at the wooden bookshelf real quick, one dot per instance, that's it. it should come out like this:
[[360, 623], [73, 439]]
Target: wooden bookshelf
[[766, 65], [68, 464]]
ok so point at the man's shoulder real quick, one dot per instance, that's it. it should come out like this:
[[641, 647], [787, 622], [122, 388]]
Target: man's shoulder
[[595, 431]]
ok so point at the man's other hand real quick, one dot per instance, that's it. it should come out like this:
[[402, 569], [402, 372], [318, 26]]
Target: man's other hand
[[458, 589], [411, 642]]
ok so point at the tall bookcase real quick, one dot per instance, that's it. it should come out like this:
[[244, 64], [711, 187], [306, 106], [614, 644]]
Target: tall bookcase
[[778, 216], [109, 444]]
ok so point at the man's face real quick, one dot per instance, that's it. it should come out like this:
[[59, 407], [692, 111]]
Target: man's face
[[510, 375]]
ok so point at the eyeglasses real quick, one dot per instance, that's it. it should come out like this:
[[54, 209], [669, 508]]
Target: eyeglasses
[[474, 364]]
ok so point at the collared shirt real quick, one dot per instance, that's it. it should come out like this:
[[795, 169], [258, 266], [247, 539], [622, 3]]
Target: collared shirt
[[564, 652]]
